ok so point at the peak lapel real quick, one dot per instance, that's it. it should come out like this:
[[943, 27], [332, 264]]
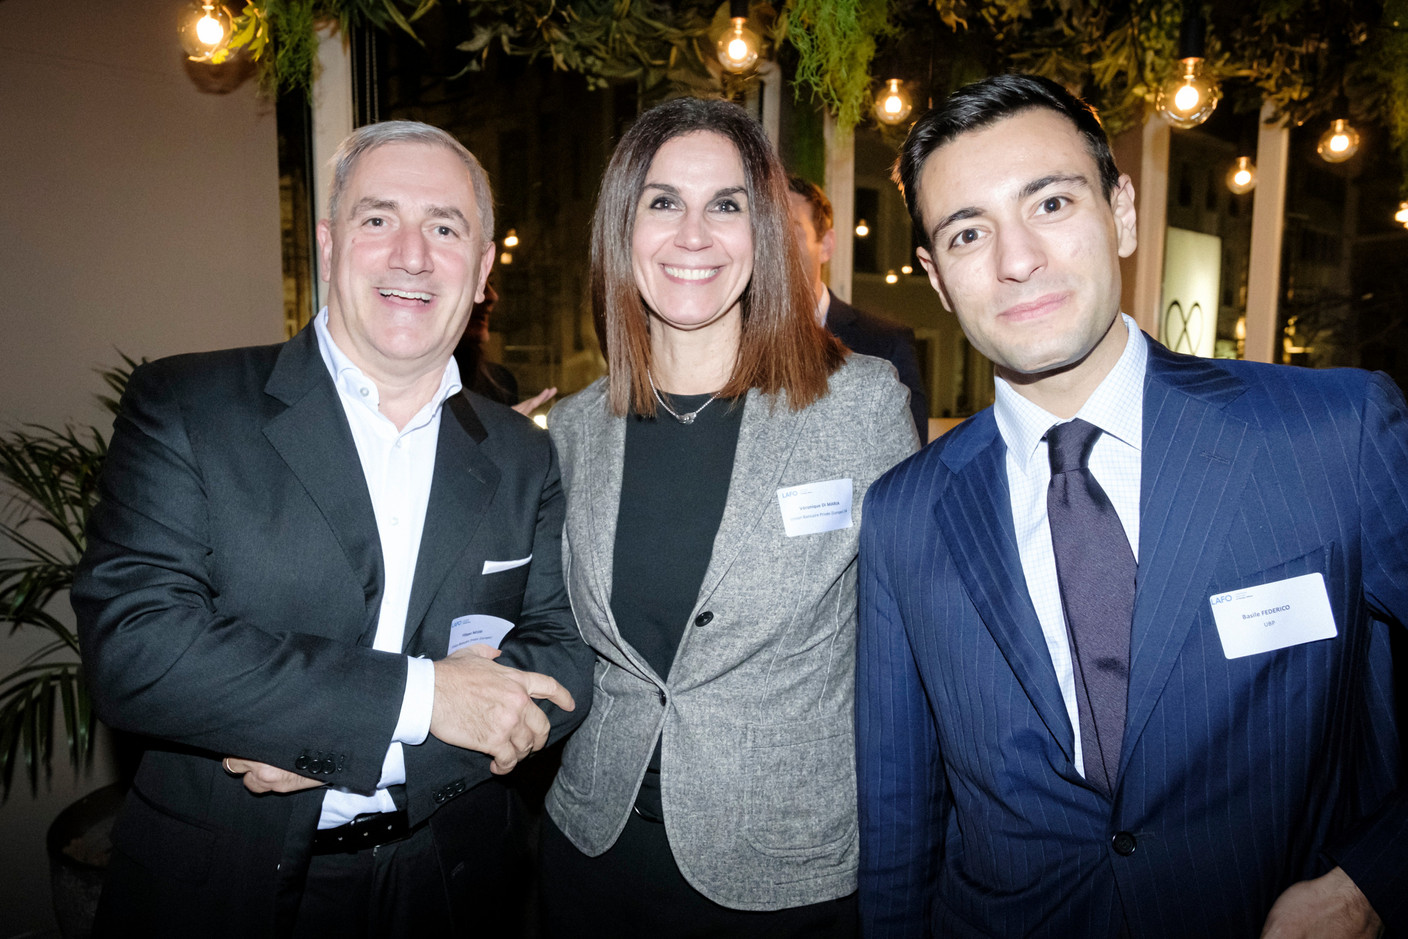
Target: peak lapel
[[1197, 460], [975, 516]]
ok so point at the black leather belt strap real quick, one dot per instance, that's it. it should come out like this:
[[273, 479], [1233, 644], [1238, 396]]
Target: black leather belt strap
[[364, 831]]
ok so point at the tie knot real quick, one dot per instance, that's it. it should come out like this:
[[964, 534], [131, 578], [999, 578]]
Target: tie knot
[[1068, 445]]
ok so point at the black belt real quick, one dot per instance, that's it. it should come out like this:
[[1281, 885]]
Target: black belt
[[364, 831]]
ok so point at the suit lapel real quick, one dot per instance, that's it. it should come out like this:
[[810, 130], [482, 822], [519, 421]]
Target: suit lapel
[[311, 427], [974, 515], [463, 485], [766, 437], [1196, 463], [603, 443]]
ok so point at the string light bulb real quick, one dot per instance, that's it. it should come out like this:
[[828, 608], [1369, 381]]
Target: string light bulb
[[1339, 143], [894, 105], [891, 277], [1401, 216], [1190, 94], [1241, 178], [862, 229], [204, 30], [738, 46], [511, 239]]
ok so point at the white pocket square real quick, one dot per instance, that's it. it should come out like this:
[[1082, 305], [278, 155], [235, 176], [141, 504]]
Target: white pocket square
[[493, 567]]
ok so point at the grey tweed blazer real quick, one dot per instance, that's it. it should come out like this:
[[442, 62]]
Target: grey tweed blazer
[[756, 716]]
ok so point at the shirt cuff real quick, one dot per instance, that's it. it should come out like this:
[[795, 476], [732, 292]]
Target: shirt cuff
[[414, 724]]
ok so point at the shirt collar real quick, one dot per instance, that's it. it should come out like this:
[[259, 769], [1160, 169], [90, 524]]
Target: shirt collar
[[1116, 406], [354, 385], [823, 305]]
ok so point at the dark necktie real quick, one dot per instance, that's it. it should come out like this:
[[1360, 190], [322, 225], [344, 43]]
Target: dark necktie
[[1096, 569]]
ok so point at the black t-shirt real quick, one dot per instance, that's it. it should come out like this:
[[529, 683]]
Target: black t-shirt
[[673, 488]]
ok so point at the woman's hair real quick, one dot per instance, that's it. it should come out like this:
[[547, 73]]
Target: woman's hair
[[782, 348]]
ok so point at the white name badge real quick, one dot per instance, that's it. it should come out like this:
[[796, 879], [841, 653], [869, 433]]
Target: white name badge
[[816, 507], [477, 627], [1273, 616]]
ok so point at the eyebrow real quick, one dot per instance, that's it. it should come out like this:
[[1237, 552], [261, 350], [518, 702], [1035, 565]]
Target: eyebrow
[[368, 203], [674, 191], [1026, 192]]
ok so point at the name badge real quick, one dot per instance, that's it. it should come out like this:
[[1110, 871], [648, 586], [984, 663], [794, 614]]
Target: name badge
[[477, 627], [816, 507], [1273, 616]]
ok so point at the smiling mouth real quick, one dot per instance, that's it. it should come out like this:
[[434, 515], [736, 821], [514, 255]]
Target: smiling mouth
[[692, 273], [406, 294]]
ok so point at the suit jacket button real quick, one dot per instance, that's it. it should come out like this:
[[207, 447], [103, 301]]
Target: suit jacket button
[[661, 695], [440, 796], [704, 619], [1123, 843], [301, 762]]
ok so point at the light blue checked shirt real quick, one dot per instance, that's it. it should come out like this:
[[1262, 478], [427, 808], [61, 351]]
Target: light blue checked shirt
[[1117, 408]]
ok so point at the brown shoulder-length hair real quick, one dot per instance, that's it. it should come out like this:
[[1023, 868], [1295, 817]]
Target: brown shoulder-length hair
[[782, 349]]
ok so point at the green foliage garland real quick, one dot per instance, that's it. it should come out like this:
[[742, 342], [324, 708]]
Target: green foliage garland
[[1297, 54], [835, 42]]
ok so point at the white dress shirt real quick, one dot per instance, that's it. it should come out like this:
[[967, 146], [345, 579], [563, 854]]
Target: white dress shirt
[[1117, 408], [398, 466]]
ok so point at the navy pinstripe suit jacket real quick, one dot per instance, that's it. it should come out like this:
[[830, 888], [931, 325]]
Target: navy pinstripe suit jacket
[[1237, 777]]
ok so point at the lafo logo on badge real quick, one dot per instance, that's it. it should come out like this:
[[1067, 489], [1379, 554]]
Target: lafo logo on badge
[[1229, 597]]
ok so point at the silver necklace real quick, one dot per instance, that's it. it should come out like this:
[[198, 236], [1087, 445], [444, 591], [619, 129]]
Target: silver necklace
[[689, 416]]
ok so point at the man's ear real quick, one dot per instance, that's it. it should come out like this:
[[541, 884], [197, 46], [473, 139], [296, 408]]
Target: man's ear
[[935, 279], [325, 248], [1126, 221], [828, 245], [485, 263]]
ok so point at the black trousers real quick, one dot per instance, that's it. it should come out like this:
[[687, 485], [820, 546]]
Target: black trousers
[[635, 889]]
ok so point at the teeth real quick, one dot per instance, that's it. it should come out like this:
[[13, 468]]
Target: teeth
[[692, 273], [407, 295]]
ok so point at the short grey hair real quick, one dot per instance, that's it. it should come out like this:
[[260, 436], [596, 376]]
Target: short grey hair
[[363, 140]]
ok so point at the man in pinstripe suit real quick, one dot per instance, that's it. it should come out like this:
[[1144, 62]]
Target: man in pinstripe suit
[[1255, 786]]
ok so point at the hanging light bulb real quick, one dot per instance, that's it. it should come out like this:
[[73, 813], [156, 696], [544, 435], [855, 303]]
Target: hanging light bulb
[[505, 257], [891, 277], [738, 46], [1241, 178], [862, 229], [511, 239], [1339, 143], [894, 105], [204, 30], [1401, 216], [907, 269], [1190, 94]]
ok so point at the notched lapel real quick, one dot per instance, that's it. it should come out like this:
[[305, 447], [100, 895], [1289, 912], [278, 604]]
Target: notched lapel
[[975, 517], [312, 437], [463, 485], [766, 437], [1197, 461]]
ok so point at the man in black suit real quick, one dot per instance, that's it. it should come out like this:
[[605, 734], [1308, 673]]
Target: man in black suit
[[862, 332], [302, 561]]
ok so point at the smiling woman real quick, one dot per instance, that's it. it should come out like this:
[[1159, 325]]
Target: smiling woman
[[711, 552]]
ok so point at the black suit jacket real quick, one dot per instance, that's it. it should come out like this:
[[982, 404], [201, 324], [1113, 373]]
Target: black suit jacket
[[229, 595], [873, 335]]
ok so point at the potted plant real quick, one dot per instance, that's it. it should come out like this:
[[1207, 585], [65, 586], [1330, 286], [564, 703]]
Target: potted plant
[[48, 484]]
